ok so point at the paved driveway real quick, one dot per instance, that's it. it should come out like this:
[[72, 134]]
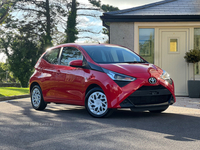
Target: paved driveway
[[70, 127]]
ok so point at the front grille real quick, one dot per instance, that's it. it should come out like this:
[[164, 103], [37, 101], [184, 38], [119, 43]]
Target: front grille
[[149, 95], [158, 87], [147, 100]]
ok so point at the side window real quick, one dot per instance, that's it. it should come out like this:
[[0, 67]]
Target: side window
[[52, 56], [69, 54]]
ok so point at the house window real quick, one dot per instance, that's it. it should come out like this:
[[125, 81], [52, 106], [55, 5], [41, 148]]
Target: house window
[[173, 45], [146, 44], [197, 46]]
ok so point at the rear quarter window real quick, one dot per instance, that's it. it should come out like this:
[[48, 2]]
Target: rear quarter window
[[52, 56]]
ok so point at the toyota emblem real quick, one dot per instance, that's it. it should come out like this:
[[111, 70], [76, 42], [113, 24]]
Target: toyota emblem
[[152, 80]]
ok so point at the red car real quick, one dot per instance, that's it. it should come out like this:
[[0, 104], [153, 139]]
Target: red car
[[100, 77]]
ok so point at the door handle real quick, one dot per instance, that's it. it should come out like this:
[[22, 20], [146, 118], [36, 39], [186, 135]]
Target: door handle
[[58, 72]]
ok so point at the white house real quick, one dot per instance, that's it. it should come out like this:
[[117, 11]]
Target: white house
[[162, 33]]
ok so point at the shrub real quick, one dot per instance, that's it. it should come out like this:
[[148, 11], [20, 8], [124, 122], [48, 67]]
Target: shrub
[[193, 56]]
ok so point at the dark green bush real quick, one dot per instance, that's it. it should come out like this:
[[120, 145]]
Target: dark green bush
[[193, 56]]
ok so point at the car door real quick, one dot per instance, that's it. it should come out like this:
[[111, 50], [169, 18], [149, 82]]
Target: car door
[[70, 80], [48, 76]]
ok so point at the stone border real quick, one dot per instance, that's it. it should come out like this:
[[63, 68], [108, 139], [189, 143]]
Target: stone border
[[13, 97], [10, 85]]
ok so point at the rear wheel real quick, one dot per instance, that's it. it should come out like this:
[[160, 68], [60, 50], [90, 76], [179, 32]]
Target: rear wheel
[[37, 100], [96, 103]]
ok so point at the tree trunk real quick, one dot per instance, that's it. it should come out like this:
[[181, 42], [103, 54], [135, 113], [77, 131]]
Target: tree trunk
[[71, 30], [48, 29]]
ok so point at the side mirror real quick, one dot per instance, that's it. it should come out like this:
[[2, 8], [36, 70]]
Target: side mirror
[[76, 63]]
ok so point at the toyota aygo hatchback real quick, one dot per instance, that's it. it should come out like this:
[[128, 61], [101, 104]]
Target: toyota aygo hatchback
[[101, 78]]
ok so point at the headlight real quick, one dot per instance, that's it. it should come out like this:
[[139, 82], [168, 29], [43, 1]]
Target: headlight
[[166, 77], [118, 76]]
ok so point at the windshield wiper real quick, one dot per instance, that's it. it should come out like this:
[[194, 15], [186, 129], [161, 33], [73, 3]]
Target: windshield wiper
[[135, 62]]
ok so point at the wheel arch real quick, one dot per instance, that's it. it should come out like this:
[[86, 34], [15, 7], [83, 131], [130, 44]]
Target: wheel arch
[[33, 84], [91, 86]]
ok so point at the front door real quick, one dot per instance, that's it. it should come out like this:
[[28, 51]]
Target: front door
[[70, 80], [173, 46]]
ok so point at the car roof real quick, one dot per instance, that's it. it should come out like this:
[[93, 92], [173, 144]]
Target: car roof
[[80, 45]]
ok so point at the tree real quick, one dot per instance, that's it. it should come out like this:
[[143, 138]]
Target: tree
[[30, 36], [105, 8], [22, 53], [71, 30], [5, 74], [193, 56], [4, 9], [41, 15]]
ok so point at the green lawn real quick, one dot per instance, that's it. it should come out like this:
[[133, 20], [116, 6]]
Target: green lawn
[[13, 91]]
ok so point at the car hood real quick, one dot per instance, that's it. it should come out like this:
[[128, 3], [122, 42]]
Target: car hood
[[132, 69]]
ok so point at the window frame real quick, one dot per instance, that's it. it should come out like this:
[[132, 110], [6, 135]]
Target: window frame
[[197, 65], [60, 55], [178, 45], [148, 56]]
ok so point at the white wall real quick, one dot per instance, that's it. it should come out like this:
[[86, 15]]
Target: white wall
[[122, 33]]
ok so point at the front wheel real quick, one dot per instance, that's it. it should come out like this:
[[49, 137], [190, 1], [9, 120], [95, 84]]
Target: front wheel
[[37, 100], [96, 103]]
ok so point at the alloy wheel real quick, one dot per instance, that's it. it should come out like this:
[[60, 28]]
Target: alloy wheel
[[97, 103], [36, 97]]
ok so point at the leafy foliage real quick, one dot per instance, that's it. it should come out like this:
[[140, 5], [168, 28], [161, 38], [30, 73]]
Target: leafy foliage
[[33, 31], [193, 56], [5, 74], [40, 17], [105, 8], [31, 34], [4, 9], [22, 53], [108, 8], [95, 3]]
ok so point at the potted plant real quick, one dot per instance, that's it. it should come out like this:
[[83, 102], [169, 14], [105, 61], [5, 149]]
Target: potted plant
[[193, 56]]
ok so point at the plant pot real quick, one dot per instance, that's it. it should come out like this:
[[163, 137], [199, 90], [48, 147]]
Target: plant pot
[[194, 88]]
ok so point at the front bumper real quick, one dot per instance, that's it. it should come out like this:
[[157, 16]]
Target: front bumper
[[149, 98]]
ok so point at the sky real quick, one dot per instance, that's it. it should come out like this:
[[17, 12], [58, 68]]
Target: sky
[[123, 4], [95, 24]]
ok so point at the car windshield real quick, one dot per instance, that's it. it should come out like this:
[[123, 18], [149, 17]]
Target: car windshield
[[112, 54]]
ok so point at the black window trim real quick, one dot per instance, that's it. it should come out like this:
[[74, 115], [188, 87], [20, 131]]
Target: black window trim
[[59, 57], [59, 60], [51, 50]]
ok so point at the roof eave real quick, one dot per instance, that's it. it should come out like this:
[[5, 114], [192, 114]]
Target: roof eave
[[151, 18]]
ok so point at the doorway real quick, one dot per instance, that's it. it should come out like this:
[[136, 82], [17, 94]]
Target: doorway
[[173, 46]]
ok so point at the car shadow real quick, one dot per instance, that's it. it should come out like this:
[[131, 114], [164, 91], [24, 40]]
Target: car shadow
[[178, 127]]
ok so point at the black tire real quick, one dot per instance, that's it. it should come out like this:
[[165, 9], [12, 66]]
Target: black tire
[[96, 100], [37, 100]]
